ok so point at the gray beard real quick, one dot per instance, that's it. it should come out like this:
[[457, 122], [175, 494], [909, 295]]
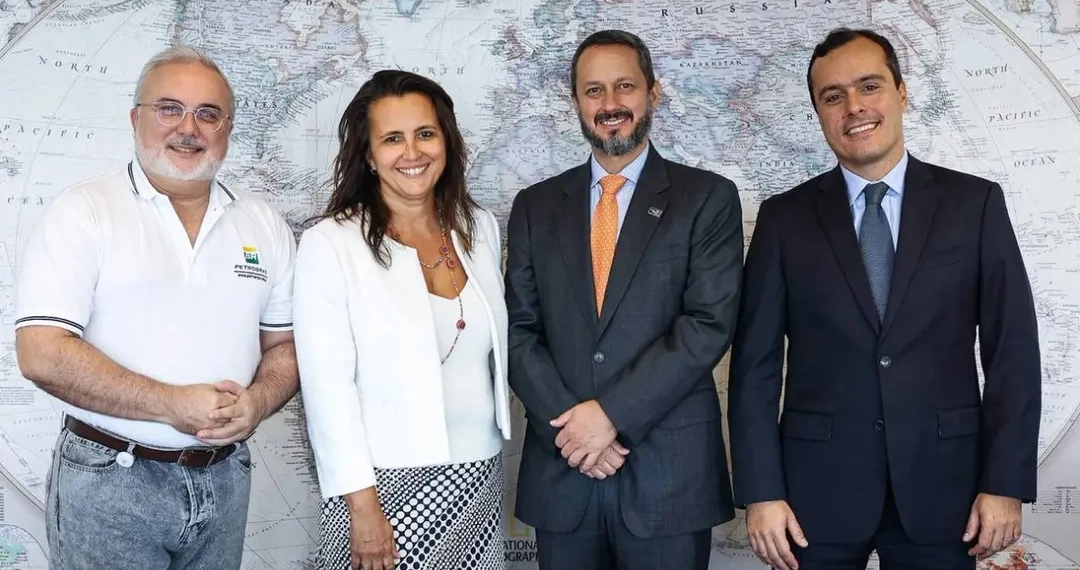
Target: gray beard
[[616, 146], [154, 161]]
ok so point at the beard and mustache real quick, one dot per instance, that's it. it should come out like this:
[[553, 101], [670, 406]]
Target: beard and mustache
[[154, 161], [615, 145]]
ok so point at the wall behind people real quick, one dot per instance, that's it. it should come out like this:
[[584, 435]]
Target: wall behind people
[[994, 91]]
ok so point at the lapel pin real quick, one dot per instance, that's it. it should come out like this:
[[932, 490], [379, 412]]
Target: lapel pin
[[655, 212]]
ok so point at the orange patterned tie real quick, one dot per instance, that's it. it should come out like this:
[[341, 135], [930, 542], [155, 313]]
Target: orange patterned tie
[[604, 229]]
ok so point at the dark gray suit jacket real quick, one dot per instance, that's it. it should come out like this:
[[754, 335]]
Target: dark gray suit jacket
[[667, 319]]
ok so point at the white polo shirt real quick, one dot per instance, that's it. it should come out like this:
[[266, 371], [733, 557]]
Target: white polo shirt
[[110, 261]]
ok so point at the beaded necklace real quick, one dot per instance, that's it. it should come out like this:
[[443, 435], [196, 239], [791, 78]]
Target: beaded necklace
[[445, 255]]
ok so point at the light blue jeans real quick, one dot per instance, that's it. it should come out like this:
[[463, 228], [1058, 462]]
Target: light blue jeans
[[150, 516]]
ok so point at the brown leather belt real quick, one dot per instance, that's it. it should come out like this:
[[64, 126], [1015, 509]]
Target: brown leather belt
[[190, 457]]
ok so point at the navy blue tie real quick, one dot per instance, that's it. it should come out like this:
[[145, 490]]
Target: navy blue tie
[[875, 241]]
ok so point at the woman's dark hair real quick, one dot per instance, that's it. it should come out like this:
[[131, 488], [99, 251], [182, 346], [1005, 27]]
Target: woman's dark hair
[[356, 187]]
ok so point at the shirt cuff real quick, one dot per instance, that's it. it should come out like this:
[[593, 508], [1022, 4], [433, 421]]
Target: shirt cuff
[[49, 321]]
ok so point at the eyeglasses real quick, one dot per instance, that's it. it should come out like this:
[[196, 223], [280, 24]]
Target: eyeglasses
[[170, 114]]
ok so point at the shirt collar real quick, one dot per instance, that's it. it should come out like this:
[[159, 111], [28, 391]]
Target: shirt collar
[[894, 179], [631, 171], [141, 186]]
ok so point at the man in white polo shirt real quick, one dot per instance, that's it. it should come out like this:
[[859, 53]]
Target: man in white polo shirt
[[156, 305]]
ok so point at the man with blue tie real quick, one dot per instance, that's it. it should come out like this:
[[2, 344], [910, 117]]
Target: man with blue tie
[[879, 274]]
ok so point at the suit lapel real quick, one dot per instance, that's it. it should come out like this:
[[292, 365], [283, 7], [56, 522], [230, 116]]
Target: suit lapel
[[643, 215], [835, 213], [572, 226], [916, 212]]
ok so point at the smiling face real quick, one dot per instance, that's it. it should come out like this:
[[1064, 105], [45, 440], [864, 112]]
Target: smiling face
[[860, 108], [613, 101], [408, 149], [188, 150]]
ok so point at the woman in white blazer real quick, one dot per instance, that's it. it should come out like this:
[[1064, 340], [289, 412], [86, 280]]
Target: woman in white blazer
[[400, 334]]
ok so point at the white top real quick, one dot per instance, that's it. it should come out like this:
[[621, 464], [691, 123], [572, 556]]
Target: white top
[[109, 260], [370, 376], [468, 392]]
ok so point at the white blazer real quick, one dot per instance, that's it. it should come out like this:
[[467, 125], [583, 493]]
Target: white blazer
[[370, 376]]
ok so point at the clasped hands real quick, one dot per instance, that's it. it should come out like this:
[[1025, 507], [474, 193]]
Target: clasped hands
[[586, 439], [218, 414]]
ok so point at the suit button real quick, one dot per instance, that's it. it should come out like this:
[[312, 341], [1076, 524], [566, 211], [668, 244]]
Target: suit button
[[879, 425], [598, 357], [885, 362]]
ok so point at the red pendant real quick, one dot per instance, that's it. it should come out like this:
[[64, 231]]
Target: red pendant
[[451, 263], [461, 324]]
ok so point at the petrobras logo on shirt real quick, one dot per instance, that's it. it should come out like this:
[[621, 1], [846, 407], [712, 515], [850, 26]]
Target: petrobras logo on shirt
[[251, 254], [249, 269]]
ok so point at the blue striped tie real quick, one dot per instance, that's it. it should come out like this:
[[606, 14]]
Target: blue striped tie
[[875, 241]]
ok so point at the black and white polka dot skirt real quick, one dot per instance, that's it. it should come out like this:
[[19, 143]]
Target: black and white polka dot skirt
[[446, 517]]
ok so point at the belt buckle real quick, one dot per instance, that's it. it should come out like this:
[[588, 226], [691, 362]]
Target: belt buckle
[[191, 452]]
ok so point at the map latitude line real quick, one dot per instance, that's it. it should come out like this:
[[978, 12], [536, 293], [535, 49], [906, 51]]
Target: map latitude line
[[1072, 102], [4, 49]]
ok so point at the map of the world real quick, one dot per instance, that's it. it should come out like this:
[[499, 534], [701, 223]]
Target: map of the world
[[994, 88]]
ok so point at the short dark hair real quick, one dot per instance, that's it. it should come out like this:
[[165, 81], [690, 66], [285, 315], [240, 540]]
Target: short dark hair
[[615, 38], [356, 187], [843, 36]]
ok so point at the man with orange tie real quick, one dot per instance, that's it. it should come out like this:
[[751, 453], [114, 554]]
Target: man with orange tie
[[622, 287]]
